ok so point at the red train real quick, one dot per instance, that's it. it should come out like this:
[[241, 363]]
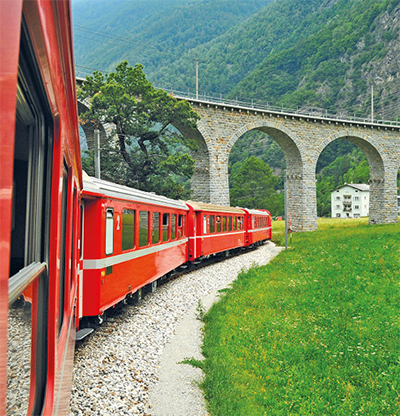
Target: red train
[[132, 238], [70, 249], [40, 185]]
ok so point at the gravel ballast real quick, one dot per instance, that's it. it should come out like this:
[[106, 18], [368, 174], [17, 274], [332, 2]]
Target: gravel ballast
[[129, 366]]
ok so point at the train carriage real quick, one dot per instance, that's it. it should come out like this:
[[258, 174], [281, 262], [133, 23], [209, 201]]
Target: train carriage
[[258, 226], [131, 238], [213, 229], [40, 182]]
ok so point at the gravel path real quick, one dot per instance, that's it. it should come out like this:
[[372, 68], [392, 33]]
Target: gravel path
[[117, 365]]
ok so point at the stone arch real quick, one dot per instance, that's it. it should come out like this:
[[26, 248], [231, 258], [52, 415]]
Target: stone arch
[[383, 188], [300, 182]]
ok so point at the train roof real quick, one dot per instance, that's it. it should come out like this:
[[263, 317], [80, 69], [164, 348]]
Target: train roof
[[101, 188], [257, 211], [202, 206]]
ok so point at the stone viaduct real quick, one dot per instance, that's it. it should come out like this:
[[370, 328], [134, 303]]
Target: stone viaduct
[[302, 139]]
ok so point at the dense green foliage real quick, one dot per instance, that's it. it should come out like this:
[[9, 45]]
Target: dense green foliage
[[253, 186], [315, 332], [259, 185], [142, 151], [326, 68], [152, 32]]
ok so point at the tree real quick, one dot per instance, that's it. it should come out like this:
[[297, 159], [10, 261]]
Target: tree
[[253, 186], [144, 151]]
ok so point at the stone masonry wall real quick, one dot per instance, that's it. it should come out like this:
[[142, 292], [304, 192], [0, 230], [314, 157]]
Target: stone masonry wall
[[302, 140]]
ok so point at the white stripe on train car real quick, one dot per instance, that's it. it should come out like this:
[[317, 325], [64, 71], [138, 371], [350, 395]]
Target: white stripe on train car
[[95, 264], [214, 235], [259, 229]]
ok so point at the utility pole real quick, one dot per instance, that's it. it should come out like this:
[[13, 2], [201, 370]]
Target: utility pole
[[372, 103], [286, 213], [197, 79], [97, 154]]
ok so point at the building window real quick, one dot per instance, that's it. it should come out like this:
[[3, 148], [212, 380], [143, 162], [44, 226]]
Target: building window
[[338, 198], [356, 206], [337, 206], [338, 215], [356, 198]]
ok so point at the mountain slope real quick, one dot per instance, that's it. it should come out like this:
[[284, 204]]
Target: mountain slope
[[153, 32], [324, 53], [335, 67]]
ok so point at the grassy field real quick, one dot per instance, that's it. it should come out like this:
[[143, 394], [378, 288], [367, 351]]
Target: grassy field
[[315, 332]]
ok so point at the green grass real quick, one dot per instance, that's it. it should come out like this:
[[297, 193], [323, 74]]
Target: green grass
[[315, 332]]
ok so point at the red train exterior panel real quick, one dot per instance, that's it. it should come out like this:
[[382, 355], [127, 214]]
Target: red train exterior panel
[[258, 226], [40, 182], [155, 242], [213, 229]]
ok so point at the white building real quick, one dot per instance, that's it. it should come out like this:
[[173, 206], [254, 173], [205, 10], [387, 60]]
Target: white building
[[350, 201]]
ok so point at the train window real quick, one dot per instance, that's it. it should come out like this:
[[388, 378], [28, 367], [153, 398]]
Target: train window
[[223, 223], [173, 226], [229, 223], [254, 222], [155, 231], [64, 211], [80, 242], [165, 224], [180, 225], [218, 224], [234, 223], [240, 223], [204, 224], [109, 231], [30, 236], [128, 229], [144, 228], [212, 223]]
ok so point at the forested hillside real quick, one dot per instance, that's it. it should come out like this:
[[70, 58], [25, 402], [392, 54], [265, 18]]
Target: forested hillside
[[152, 32], [295, 53]]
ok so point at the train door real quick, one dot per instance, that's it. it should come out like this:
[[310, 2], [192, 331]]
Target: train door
[[80, 263], [30, 241]]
